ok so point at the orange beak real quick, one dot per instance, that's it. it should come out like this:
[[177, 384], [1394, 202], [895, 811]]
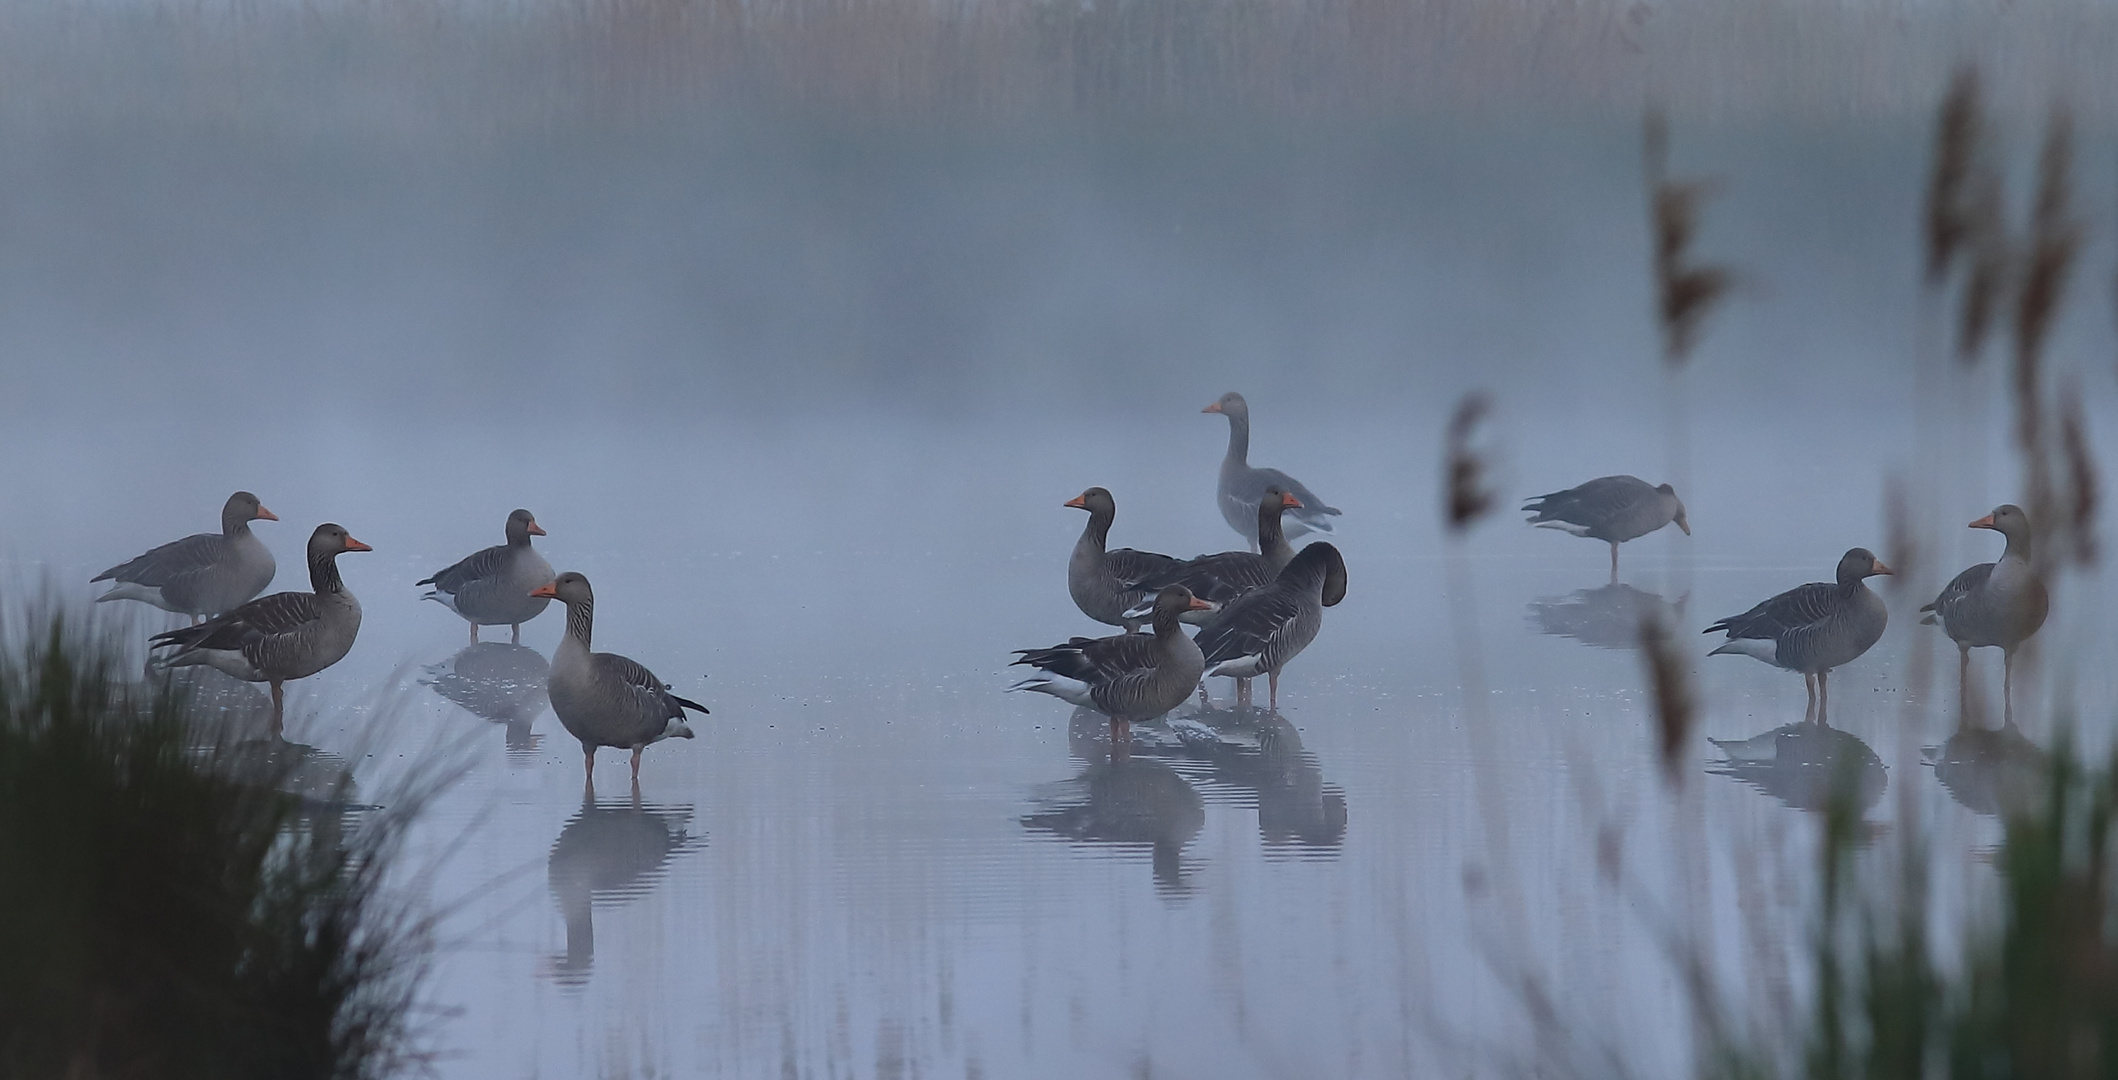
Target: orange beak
[[1983, 523], [1289, 501], [549, 590], [1215, 407], [266, 515], [355, 545], [1078, 502], [535, 529], [1200, 605], [1881, 569]]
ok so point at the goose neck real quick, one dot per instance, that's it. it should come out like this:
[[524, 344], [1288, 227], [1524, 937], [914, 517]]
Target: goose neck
[[1239, 438], [323, 575], [580, 621]]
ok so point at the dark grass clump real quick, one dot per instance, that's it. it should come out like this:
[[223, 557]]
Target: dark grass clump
[[167, 908]]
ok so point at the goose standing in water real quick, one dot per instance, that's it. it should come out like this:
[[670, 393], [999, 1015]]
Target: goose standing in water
[[1243, 486], [204, 573], [1261, 631], [1997, 603], [1613, 509], [1127, 676], [1813, 628], [1218, 579], [492, 587], [604, 699], [1099, 579], [289, 635]]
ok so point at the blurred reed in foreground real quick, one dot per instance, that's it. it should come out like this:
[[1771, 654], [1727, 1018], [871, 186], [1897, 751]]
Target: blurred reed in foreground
[[169, 905]]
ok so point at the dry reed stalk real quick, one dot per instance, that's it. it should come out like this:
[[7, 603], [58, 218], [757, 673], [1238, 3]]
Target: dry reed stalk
[[1669, 681], [2079, 492], [2055, 238]]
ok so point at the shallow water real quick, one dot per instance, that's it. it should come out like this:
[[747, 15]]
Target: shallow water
[[872, 861]]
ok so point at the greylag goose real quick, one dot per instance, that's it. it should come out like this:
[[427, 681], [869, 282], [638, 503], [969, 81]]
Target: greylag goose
[[204, 573], [1127, 676], [1261, 631], [289, 635], [1997, 603], [1243, 487], [492, 587], [604, 699], [1813, 628], [1612, 509], [1099, 579], [1218, 579]]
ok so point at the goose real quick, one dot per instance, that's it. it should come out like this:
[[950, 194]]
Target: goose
[[1097, 578], [288, 635], [1261, 631], [1218, 579], [1242, 486], [1994, 604], [204, 573], [492, 587], [1613, 509], [1126, 676], [1813, 628], [604, 699]]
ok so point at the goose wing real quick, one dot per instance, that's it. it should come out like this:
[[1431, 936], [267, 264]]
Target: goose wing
[[1592, 505], [477, 566], [1095, 661], [1260, 479], [1131, 565], [1962, 585], [1250, 625], [632, 682], [172, 564], [1217, 578], [1790, 614], [258, 630]]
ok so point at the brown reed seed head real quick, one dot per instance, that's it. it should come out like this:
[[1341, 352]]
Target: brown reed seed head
[[1685, 293], [1669, 682], [1992, 268], [1468, 498], [2082, 483], [1957, 132], [2055, 237], [1902, 538]]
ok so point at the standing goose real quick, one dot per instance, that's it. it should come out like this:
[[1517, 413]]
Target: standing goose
[[1813, 628], [492, 587], [1127, 676], [1613, 509], [2000, 604], [289, 635], [1243, 487], [1261, 631], [204, 573], [604, 699], [1218, 579], [1098, 579]]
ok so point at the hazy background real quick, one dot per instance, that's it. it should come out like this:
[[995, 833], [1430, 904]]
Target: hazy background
[[795, 324]]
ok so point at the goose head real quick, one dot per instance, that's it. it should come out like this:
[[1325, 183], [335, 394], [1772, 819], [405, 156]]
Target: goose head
[[2006, 519], [1860, 563], [1671, 494], [521, 525], [330, 541], [568, 588], [1097, 501], [243, 508], [1231, 405]]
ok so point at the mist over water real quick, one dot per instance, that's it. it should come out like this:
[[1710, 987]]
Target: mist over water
[[803, 398]]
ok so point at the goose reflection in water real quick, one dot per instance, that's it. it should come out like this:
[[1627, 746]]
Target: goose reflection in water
[[1259, 751], [609, 853], [234, 727], [502, 683], [1124, 799], [1995, 771], [1607, 618], [1805, 764]]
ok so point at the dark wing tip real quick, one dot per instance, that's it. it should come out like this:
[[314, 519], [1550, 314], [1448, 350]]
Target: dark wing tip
[[690, 704]]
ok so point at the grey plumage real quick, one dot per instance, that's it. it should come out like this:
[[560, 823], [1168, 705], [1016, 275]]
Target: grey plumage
[[1813, 628], [289, 635], [604, 699], [1243, 485], [492, 587], [1099, 579], [1220, 578], [1261, 631], [1613, 509], [204, 573], [1994, 605], [1125, 676]]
